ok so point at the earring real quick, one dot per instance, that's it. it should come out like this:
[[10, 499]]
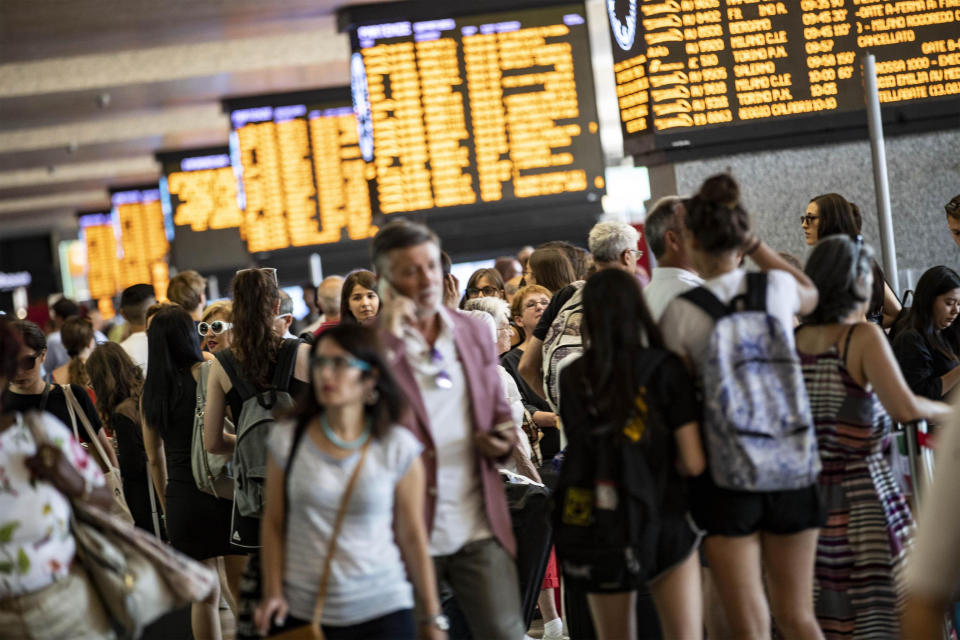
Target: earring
[[372, 398]]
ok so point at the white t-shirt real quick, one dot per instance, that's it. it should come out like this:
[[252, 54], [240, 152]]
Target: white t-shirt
[[367, 576], [686, 327], [136, 347], [460, 515], [35, 536], [667, 283]]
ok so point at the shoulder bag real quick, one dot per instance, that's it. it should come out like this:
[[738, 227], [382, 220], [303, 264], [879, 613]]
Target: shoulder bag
[[314, 631], [211, 471], [137, 577], [110, 473]]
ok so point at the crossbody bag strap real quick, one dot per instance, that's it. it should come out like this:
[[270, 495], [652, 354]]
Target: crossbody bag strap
[[44, 397], [332, 547], [76, 411]]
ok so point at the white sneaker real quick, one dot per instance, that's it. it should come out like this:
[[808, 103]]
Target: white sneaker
[[553, 630]]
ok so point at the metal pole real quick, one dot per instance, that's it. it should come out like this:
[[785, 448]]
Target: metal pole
[[888, 248], [910, 430]]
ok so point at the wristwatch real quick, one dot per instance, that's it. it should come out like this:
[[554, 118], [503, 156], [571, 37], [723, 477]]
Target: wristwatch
[[438, 621]]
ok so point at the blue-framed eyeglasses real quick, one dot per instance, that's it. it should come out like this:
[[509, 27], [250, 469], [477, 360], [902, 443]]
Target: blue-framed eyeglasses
[[339, 363]]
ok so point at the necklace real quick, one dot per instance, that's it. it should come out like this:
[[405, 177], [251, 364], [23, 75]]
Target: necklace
[[339, 442]]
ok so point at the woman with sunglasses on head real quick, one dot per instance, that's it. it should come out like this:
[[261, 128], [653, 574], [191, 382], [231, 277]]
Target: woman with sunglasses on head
[[28, 391], [359, 301], [215, 327], [855, 387], [198, 524], [345, 457]]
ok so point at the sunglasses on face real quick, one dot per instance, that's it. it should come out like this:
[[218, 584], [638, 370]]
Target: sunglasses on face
[[807, 220], [474, 292], [29, 362], [217, 327], [339, 363]]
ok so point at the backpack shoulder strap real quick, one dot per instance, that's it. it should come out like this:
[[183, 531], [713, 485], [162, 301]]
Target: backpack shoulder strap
[[756, 295], [286, 363], [705, 300], [230, 365]]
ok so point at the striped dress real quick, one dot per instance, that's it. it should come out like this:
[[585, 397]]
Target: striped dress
[[861, 550]]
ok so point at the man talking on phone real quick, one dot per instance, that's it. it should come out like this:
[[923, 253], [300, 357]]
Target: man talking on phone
[[446, 364]]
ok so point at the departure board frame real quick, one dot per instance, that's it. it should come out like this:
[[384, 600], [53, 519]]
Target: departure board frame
[[198, 189], [331, 204], [448, 109], [790, 52]]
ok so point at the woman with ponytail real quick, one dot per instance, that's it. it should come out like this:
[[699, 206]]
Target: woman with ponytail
[[749, 533], [254, 351], [78, 340]]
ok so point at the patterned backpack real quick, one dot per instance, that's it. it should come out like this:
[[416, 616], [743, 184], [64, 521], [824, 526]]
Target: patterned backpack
[[757, 422]]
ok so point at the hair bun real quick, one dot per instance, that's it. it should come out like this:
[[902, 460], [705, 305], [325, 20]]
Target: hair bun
[[720, 189]]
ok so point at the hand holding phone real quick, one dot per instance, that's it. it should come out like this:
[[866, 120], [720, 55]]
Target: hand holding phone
[[396, 309]]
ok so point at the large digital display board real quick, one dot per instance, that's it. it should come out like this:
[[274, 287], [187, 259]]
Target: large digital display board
[[302, 180], [198, 191], [692, 74], [484, 110], [127, 245]]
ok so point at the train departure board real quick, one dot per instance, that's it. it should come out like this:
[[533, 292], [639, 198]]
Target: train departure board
[[485, 110], [198, 191], [691, 74], [302, 179], [142, 238], [103, 268]]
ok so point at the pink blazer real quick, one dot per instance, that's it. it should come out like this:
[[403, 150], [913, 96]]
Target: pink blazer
[[488, 405]]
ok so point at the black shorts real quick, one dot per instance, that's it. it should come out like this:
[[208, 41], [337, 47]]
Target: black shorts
[[726, 512], [678, 538]]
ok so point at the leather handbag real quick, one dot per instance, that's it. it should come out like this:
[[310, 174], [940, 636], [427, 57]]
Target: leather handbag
[[110, 472], [137, 577], [314, 631]]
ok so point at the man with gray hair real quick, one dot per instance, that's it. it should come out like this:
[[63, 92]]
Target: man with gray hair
[[613, 245], [328, 302], [674, 273], [284, 318], [444, 362]]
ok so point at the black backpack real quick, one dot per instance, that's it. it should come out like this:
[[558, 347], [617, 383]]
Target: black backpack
[[606, 504]]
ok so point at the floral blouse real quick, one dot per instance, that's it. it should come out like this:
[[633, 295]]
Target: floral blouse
[[36, 546]]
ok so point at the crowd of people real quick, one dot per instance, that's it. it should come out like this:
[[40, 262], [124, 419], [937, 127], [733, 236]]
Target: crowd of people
[[717, 443]]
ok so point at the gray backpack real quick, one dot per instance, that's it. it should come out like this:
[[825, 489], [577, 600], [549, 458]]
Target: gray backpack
[[211, 471], [757, 422], [562, 344], [254, 423]]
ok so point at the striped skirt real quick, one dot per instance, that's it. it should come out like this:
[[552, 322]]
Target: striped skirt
[[861, 550]]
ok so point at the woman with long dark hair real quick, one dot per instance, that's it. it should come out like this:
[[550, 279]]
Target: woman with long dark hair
[[359, 301], [855, 387], [624, 378], [118, 384], [198, 524], [550, 268], [926, 344], [747, 531], [346, 425], [831, 214]]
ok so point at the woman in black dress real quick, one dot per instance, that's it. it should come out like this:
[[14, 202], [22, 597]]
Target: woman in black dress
[[198, 523], [926, 342], [118, 383]]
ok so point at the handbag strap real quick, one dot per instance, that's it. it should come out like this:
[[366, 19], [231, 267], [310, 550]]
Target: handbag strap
[[44, 397], [73, 406], [332, 547]]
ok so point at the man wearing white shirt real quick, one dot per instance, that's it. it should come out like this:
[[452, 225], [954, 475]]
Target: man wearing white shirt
[[134, 302], [674, 273]]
